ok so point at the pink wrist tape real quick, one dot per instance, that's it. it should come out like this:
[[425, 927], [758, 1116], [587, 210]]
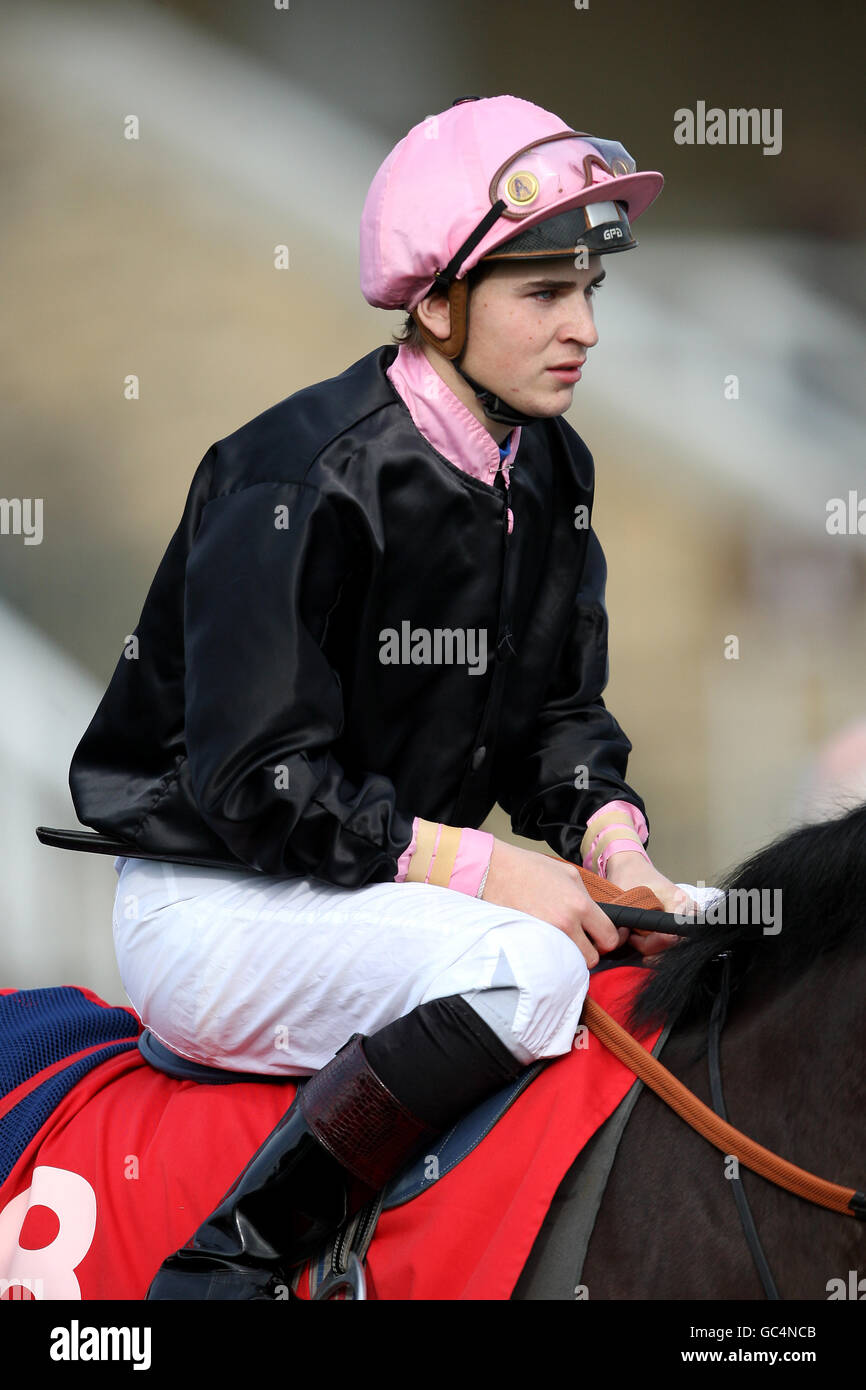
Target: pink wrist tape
[[471, 860], [613, 816]]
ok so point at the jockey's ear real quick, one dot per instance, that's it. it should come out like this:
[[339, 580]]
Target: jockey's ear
[[433, 315]]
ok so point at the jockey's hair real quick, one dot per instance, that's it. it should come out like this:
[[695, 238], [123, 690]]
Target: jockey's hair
[[820, 871]]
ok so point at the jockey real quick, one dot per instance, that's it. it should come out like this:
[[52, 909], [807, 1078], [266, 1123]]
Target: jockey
[[320, 735]]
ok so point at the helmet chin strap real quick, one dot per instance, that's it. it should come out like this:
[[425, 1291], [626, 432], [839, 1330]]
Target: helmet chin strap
[[494, 407]]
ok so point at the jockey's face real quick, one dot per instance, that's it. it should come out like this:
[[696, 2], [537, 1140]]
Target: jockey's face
[[525, 318]]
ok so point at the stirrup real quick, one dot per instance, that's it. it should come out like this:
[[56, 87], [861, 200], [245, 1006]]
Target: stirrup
[[354, 1280]]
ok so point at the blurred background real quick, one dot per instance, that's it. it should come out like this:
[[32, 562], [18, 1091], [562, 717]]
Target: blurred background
[[724, 405]]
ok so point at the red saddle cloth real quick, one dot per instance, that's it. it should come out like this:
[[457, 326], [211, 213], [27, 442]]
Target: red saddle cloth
[[470, 1234]]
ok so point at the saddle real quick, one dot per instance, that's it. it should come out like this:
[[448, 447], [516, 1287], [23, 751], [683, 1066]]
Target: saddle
[[161, 1058]]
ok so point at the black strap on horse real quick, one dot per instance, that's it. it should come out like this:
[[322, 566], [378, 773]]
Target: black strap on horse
[[717, 1022], [643, 919], [747, 1221]]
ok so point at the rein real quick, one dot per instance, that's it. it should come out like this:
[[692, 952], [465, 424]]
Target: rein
[[713, 1124]]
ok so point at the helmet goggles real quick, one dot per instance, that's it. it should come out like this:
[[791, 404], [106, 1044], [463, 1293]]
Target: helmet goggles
[[570, 170], [532, 178]]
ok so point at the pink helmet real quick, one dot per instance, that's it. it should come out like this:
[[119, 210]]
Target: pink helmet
[[442, 182]]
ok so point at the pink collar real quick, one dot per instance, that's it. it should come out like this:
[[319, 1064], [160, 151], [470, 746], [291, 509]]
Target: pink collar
[[445, 421]]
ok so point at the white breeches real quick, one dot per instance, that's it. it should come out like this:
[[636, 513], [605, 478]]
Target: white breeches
[[272, 975]]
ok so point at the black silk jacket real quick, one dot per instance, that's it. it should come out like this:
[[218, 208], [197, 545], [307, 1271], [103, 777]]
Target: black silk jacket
[[253, 718]]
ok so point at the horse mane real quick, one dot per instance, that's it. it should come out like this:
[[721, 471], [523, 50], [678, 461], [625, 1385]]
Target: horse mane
[[820, 871]]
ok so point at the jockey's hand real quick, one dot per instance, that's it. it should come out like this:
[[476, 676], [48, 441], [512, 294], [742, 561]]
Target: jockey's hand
[[628, 869], [552, 890]]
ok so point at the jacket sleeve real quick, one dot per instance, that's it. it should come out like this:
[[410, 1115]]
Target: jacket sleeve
[[575, 756], [263, 706]]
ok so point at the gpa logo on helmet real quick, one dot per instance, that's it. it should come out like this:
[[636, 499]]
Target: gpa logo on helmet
[[611, 232], [522, 188]]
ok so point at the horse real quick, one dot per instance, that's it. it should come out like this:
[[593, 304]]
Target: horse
[[667, 1226]]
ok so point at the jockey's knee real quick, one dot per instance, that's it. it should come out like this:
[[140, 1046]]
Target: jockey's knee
[[535, 997]]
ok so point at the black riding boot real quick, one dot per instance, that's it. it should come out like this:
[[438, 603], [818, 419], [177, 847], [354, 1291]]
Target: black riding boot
[[345, 1135]]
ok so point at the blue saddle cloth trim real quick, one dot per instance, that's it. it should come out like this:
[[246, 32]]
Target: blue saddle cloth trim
[[459, 1141], [40, 1027]]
